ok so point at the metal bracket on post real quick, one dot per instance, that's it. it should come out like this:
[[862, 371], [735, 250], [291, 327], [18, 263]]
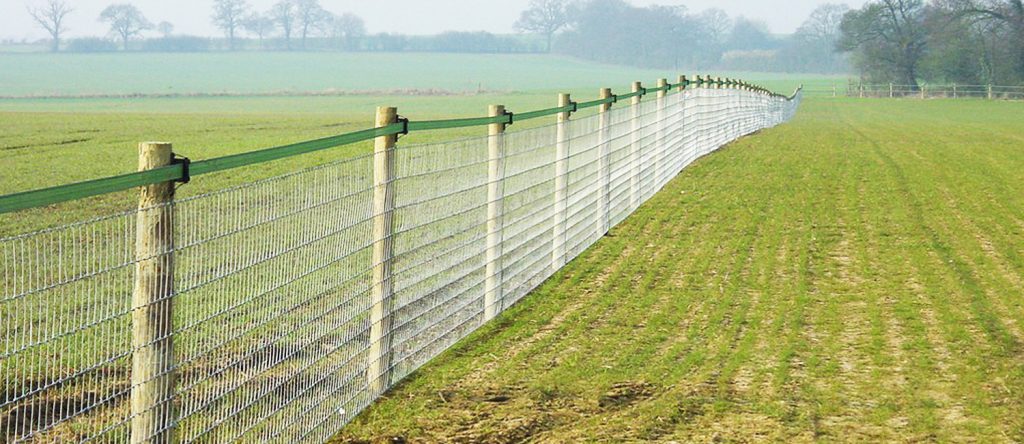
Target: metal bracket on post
[[186, 167], [405, 126]]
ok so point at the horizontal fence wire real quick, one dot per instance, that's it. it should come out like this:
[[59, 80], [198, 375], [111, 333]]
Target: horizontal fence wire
[[273, 332], [936, 91]]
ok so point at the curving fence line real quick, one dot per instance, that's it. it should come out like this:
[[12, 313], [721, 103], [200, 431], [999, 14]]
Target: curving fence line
[[277, 310]]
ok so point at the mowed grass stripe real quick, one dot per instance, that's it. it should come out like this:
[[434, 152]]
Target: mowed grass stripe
[[852, 276]]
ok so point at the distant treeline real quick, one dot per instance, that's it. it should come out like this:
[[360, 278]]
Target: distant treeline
[[672, 37], [460, 42], [610, 31], [974, 42]]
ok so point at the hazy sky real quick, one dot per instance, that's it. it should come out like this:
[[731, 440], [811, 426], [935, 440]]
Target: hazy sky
[[405, 16]]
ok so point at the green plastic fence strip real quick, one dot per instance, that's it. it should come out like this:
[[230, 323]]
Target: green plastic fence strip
[[82, 190], [457, 123], [544, 112], [631, 95], [269, 154], [597, 102]]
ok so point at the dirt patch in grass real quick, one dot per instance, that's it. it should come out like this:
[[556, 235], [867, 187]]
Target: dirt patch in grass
[[625, 394]]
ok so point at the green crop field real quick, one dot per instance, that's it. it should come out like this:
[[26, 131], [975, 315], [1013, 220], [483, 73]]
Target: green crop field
[[41, 74], [853, 276]]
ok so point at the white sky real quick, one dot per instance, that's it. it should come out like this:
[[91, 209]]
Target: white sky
[[403, 16]]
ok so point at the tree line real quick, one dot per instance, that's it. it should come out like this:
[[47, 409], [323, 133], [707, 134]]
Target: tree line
[[606, 30], [942, 41], [298, 25], [615, 31]]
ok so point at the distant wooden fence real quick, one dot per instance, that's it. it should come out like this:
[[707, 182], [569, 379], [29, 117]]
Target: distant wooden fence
[[930, 91]]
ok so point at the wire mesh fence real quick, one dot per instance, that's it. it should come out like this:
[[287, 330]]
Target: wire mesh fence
[[270, 312]]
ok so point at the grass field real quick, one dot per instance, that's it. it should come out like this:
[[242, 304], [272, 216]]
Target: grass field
[[248, 73], [854, 276]]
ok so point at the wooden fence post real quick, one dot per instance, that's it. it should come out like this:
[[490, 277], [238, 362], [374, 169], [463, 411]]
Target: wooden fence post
[[561, 184], [634, 149], [660, 147], [494, 297], [892, 90], [923, 87], [382, 292], [990, 91], [683, 122], [153, 378], [604, 169], [955, 91]]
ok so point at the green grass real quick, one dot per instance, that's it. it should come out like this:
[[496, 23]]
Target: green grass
[[854, 276], [249, 73]]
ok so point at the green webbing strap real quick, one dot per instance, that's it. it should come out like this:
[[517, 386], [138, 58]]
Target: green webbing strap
[[641, 93], [82, 190], [459, 123], [269, 154], [597, 102], [546, 112]]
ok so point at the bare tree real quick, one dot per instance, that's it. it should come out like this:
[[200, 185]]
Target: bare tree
[[544, 17], [346, 28], [125, 20], [259, 24], [165, 28], [228, 16], [718, 24], [51, 18], [824, 24], [310, 17], [283, 14]]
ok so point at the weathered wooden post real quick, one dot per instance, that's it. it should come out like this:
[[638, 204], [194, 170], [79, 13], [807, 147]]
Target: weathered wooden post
[[382, 291], [493, 296], [604, 170], [634, 148], [923, 88], [990, 91], [862, 89], [892, 90], [955, 91], [561, 184], [153, 376], [660, 148]]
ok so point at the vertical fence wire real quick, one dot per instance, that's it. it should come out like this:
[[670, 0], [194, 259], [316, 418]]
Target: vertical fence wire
[[272, 279]]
